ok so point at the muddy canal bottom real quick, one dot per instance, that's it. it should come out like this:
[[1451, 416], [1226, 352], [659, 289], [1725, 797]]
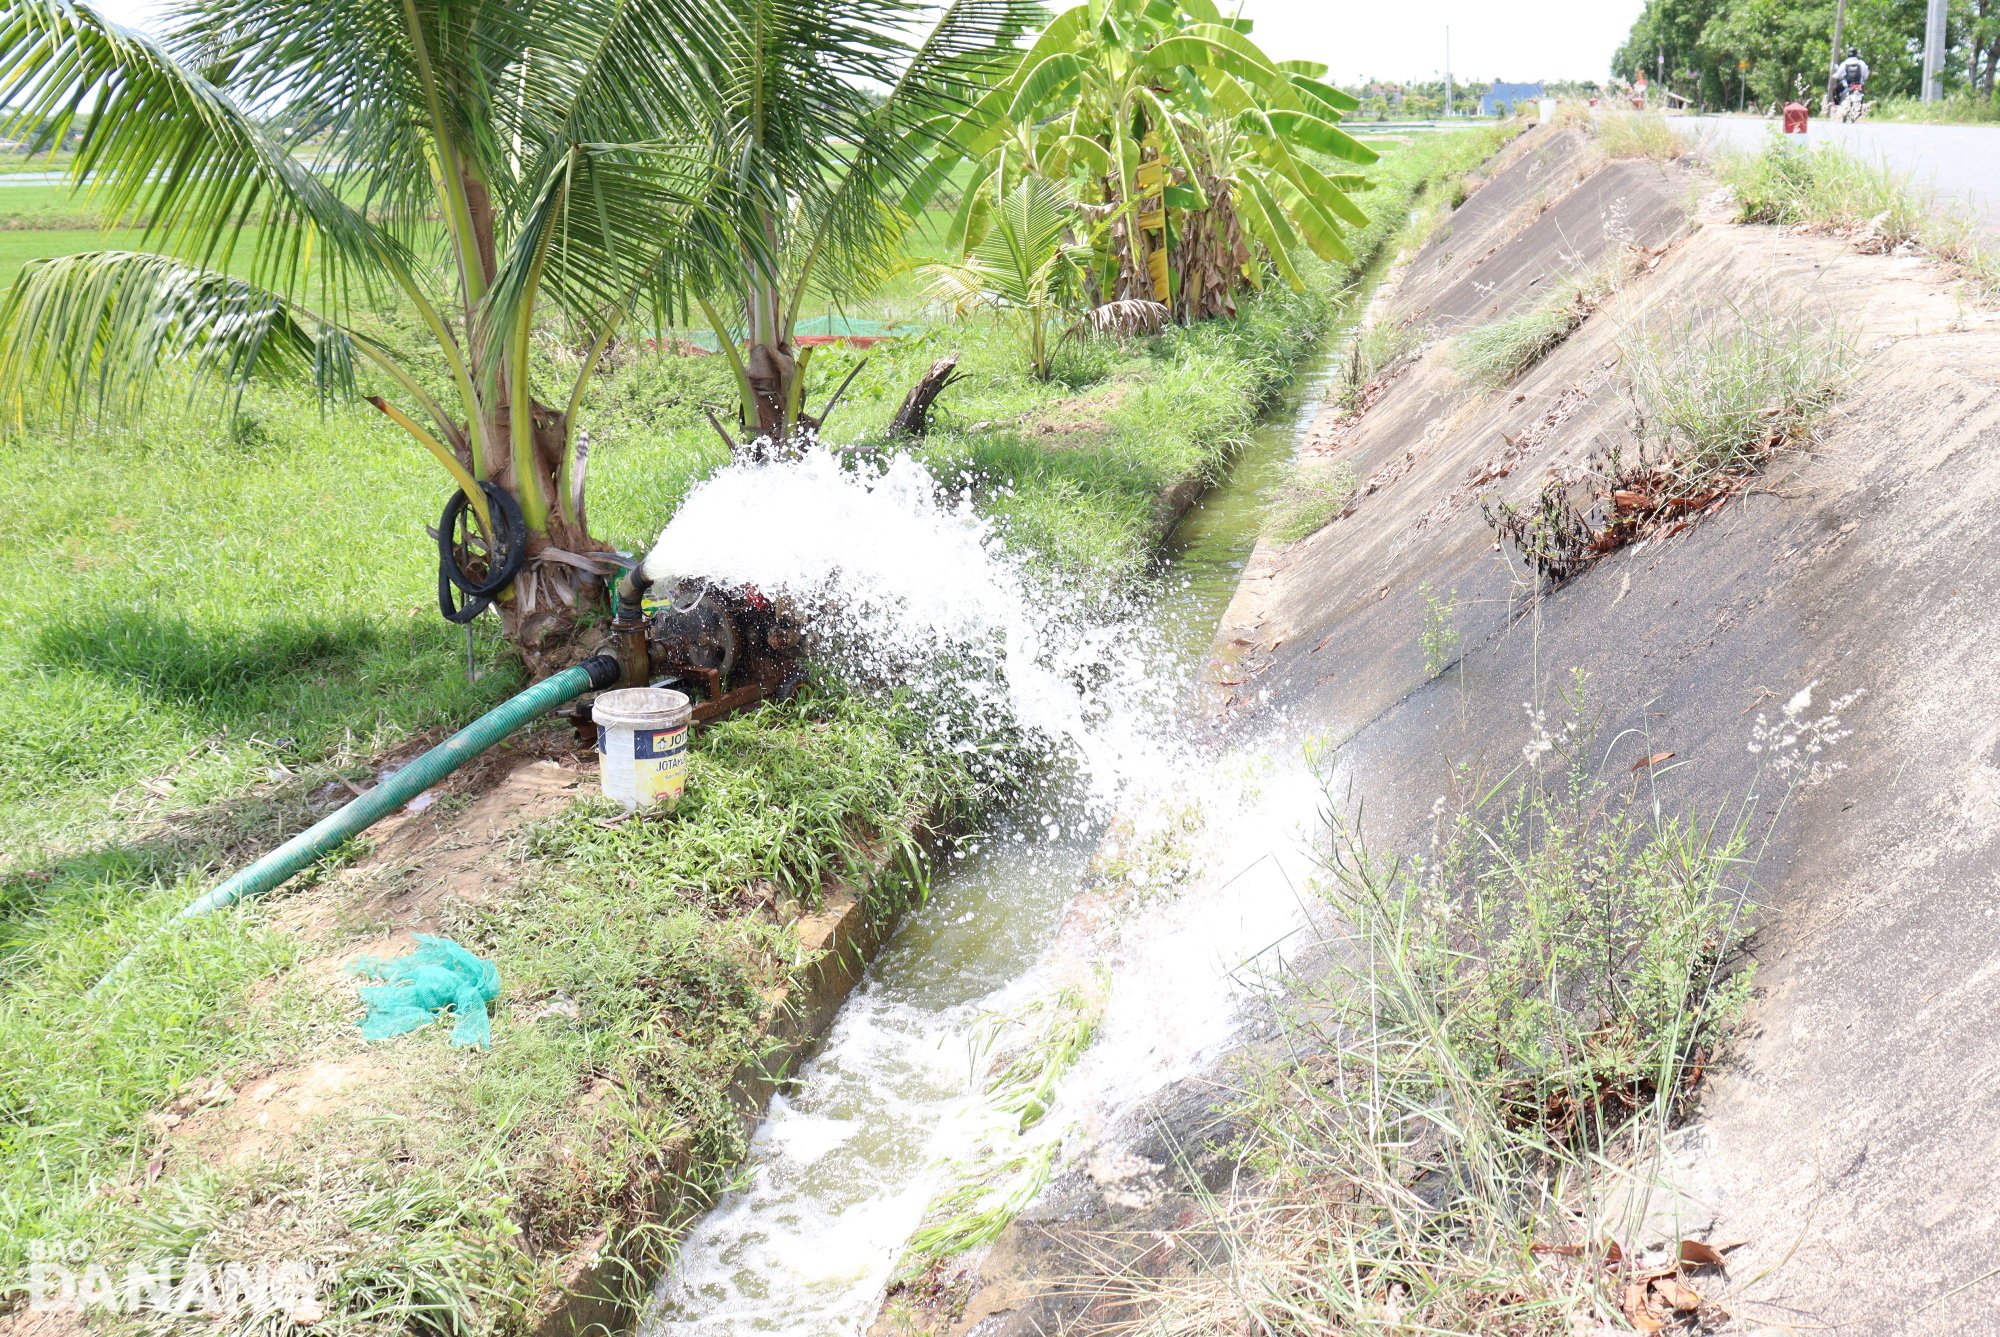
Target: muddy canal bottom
[[1165, 945]]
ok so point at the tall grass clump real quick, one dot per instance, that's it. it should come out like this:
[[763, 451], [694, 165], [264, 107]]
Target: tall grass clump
[[1489, 356], [1716, 394], [1828, 187], [1957, 109], [1375, 352], [1639, 134], [1521, 1010]]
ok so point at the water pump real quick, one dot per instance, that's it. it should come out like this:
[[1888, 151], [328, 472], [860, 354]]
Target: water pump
[[727, 648]]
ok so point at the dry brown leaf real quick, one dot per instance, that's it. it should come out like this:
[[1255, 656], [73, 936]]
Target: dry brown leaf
[[1638, 1312], [1608, 1252], [1695, 1253], [1653, 760], [1683, 1298]]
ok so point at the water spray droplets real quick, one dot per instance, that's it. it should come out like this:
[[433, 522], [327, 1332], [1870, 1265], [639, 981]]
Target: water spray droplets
[[906, 586]]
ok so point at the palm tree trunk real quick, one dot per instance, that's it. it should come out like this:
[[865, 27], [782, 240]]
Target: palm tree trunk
[[562, 590], [562, 587]]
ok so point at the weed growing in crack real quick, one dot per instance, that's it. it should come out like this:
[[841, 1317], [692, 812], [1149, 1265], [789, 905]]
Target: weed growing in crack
[[1554, 536], [1377, 351], [1489, 356], [1311, 499], [1716, 396], [1439, 638]]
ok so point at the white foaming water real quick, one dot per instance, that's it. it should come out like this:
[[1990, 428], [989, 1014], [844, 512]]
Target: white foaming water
[[848, 1161], [908, 585]]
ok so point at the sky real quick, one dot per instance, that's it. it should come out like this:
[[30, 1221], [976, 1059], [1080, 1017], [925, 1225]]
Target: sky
[[1516, 40]]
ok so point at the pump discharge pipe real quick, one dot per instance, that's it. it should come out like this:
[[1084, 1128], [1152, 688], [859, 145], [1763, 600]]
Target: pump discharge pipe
[[593, 674]]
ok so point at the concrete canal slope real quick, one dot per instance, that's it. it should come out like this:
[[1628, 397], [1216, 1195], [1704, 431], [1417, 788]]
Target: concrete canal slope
[[1848, 1140]]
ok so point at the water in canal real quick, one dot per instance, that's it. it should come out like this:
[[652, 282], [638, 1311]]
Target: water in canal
[[855, 1150]]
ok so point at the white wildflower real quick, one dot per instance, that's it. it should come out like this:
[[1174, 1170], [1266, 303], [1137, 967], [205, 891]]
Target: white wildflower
[[1796, 743]]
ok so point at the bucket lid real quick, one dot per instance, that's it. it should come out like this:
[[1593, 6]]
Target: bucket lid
[[641, 708]]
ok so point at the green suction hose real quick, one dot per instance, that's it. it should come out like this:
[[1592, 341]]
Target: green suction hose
[[351, 820], [412, 780]]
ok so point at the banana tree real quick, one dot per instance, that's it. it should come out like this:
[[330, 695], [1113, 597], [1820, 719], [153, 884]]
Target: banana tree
[[1266, 190], [825, 175], [484, 164], [1115, 85]]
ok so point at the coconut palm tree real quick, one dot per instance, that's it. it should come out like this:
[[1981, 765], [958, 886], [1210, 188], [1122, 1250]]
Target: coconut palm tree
[[1026, 267], [831, 136], [484, 164], [495, 168]]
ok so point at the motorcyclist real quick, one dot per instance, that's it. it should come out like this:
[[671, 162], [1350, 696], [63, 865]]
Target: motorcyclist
[[1851, 72]]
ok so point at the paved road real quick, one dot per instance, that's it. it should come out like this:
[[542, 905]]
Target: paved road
[[1957, 162]]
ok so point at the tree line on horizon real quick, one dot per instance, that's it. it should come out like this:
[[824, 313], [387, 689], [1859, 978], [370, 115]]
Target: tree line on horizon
[[1728, 53]]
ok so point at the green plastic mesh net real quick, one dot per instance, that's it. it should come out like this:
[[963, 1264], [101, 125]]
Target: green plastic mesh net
[[418, 987]]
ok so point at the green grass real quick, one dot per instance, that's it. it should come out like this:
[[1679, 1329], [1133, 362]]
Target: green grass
[[1957, 109], [1521, 1007], [1381, 347], [1492, 355], [1716, 393], [986, 1191], [1313, 497], [1439, 638], [12, 164], [1715, 396], [1638, 134]]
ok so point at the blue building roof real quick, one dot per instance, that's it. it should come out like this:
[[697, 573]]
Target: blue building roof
[[1504, 97]]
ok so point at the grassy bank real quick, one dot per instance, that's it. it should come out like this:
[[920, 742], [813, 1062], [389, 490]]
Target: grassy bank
[[219, 623], [1958, 109]]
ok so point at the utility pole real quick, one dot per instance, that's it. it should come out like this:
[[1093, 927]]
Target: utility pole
[[1839, 24], [1447, 70], [1934, 52]]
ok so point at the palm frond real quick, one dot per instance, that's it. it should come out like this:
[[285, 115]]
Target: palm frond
[[608, 219], [905, 146], [1126, 317], [1026, 230], [99, 328], [162, 143]]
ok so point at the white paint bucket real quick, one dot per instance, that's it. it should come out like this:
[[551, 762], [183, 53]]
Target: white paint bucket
[[642, 745]]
